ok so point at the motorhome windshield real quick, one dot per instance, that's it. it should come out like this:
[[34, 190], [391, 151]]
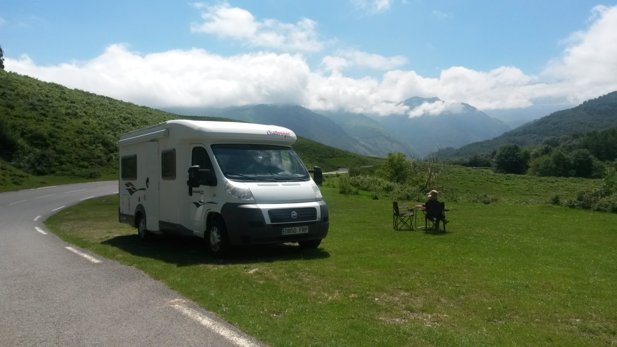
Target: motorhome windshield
[[259, 163]]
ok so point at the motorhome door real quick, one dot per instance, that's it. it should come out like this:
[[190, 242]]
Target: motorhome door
[[203, 198], [151, 172]]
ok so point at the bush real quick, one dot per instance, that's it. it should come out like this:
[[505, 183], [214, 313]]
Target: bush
[[484, 198], [380, 188], [345, 187], [606, 204], [602, 199]]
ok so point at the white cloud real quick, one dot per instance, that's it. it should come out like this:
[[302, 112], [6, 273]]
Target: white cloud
[[337, 92], [435, 108], [239, 24], [372, 7], [501, 88], [588, 66], [586, 69], [181, 78], [358, 59]]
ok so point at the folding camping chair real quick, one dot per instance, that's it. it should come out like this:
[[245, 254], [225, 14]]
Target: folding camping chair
[[401, 221]]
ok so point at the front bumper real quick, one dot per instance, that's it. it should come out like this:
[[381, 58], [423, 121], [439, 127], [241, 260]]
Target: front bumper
[[252, 224]]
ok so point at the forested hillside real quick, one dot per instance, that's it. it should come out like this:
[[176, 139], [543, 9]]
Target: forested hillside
[[592, 115]]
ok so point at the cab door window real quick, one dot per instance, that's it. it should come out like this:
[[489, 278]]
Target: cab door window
[[199, 156]]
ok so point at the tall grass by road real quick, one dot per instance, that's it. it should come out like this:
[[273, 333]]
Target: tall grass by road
[[506, 273]]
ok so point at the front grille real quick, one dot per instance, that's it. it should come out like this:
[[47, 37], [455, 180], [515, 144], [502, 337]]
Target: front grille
[[286, 215]]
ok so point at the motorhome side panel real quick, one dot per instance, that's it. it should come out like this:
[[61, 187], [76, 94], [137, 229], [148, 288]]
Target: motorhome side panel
[[139, 183]]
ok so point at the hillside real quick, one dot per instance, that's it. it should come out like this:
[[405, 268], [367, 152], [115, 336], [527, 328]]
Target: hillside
[[370, 133], [595, 114], [48, 129]]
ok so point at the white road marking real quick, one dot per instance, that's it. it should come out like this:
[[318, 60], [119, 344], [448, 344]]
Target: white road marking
[[87, 197], [41, 188], [74, 191], [44, 196], [17, 202], [40, 230], [83, 255], [58, 208], [36, 218], [211, 324]]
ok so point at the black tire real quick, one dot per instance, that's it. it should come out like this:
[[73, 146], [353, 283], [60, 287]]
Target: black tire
[[142, 231], [309, 244], [217, 241]]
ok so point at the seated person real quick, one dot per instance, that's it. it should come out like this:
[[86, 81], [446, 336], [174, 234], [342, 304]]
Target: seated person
[[435, 209]]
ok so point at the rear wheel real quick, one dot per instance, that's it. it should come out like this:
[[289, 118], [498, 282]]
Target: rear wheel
[[217, 238], [310, 244], [142, 231]]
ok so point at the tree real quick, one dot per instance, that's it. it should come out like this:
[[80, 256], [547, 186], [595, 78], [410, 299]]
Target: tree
[[542, 166], [1, 59], [511, 159], [582, 163], [396, 168]]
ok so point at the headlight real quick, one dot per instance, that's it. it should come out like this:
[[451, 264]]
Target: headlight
[[318, 195], [238, 192]]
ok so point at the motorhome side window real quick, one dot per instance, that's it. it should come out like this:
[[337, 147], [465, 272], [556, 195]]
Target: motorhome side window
[[168, 164], [128, 167]]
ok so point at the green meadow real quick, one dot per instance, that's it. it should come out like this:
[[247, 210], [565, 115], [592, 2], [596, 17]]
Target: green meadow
[[511, 270]]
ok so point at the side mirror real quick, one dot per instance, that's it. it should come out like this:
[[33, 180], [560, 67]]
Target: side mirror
[[199, 176], [193, 181], [317, 175]]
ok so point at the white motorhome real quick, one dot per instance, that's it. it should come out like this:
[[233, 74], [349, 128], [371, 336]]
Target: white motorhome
[[229, 183]]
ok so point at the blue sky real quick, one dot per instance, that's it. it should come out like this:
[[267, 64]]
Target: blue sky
[[354, 55]]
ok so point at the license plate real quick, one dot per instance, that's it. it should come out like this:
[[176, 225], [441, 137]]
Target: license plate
[[303, 229]]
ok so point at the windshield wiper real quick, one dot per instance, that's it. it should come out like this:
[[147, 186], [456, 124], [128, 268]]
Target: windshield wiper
[[239, 175]]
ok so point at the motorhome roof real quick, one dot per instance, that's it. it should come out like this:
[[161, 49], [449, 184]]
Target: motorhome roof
[[215, 131]]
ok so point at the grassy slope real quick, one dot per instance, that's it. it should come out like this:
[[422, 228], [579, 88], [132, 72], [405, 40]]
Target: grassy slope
[[48, 129], [506, 273]]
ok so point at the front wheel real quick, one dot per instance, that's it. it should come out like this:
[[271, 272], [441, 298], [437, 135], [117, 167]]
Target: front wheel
[[217, 238]]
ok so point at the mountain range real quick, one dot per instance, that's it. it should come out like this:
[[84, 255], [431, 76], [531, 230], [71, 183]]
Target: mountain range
[[430, 127], [47, 128], [431, 124]]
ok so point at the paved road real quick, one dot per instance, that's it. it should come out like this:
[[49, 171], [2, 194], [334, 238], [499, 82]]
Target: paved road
[[54, 295]]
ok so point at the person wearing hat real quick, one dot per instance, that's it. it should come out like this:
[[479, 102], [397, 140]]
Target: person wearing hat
[[435, 209]]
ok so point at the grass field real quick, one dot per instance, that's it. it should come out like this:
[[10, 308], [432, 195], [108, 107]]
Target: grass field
[[515, 271]]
